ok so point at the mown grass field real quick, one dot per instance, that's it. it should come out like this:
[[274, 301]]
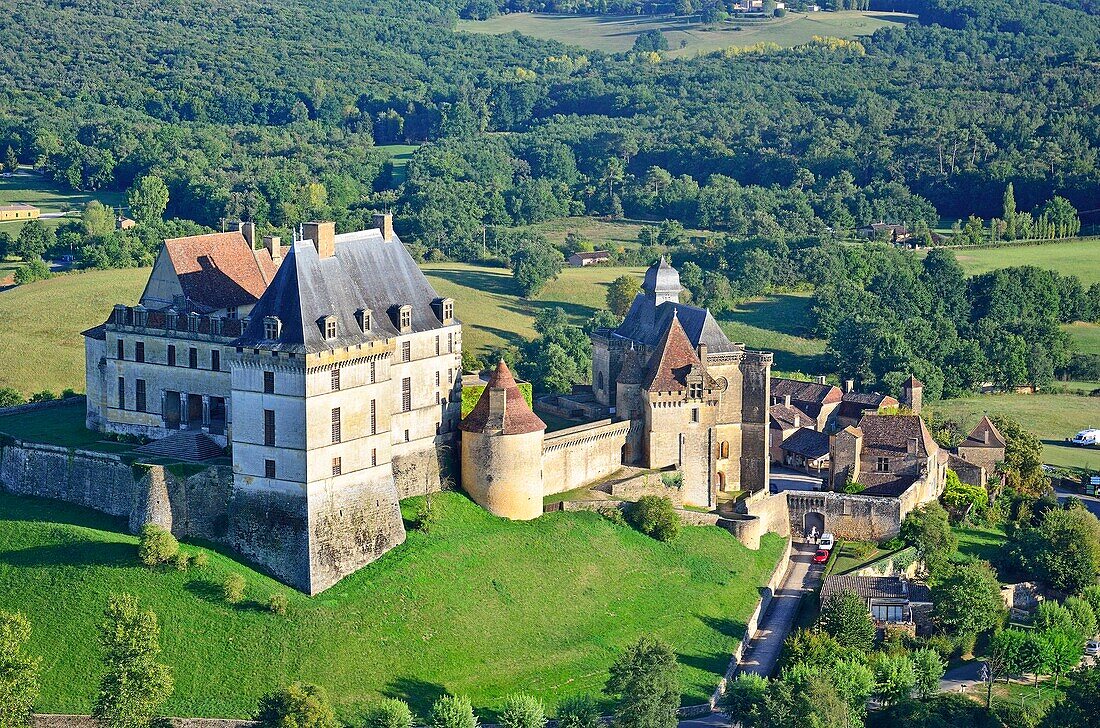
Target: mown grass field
[[778, 323], [616, 33], [36, 190], [1053, 417], [480, 606], [399, 154], [603, 234], [1086, 336], [1079, 257]]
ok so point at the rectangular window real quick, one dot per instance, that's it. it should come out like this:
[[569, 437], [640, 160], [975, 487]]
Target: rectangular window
[[269, 427], [269, 382], [437, 378], [336, 424], [269, 468], [373, 417], [406, 435], [231, 312], [216, 360], [406, 351], [122, 393], [337, 467], [193, 358], [373, 456], [694, 414], [139, 351], [372, 372], [139, 395], [121, 349], [171, 355], [335, 379], [406, 318], [450, 343], [406, 394], [882, 465], [437, 346], [437, 397], [450, 376]]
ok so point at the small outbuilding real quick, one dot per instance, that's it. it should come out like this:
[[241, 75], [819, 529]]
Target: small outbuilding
[[583, 260]]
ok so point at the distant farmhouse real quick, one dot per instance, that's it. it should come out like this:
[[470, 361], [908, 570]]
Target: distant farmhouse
[[583, 260], [18, 211]]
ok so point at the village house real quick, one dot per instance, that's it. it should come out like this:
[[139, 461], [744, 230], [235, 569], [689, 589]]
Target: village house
[[885, 455], [894, 602], [583, 260], [18, 211]]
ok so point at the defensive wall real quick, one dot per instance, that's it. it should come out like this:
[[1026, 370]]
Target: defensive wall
[[583, 455]]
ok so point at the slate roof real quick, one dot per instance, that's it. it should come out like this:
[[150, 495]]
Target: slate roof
[[645, 322], [219, 270], [877, 587], [854, 404], [807, 442], [673, 361], [518, 418], [800, 391], [977, 436], [912, 382], [662, 278], [366, 272], [784, 416]]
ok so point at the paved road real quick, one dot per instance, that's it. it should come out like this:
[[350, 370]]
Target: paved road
[[787, 479], [713, 720], [1091, 502], [961, 677], [764, 648]]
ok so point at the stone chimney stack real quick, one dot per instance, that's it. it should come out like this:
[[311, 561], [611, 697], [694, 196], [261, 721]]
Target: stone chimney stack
[[248, 230], [384, 222], [274, 246], [849, 385], [786, 400], [702, 352], [912, 394], [819, 379], [323, 235], [845, 449]]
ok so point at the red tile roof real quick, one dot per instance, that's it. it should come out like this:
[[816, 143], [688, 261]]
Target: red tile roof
[[518, 419], [673, 361], [977, 436], [220, 270]]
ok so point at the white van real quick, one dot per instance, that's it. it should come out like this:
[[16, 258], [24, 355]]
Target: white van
[[1086, 438]]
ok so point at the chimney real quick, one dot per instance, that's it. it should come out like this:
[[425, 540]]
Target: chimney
[[498, 404], [274, 245], [702, 352], [248, 230], [985, 436], [786, 400], [323, 235], [797, 422], [849, 385], [384, 222], [819, 379]]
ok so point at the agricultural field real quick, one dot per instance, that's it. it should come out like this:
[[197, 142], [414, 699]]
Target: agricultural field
[[616, 33], [778, 323], [1086, 336], [1078, 256], [479, 606], [602, 234], [1053, 417], [40, 324], [36, 190]]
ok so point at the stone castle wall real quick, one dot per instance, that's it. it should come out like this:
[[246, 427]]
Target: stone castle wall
[[583, 455], [848, 516]]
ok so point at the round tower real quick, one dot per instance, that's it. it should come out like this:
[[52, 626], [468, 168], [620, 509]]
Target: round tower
[[502, 450]]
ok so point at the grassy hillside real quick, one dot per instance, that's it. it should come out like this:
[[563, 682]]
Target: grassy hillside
[[613, 33], [481, 606], [1086, 336], [778, 323], [40, 324], [1053, 417], [34, 189], [1079, 257]]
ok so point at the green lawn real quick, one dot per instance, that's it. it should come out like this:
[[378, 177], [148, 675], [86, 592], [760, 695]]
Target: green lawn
[[603, 234], [777, 323], [1079, 257], [40, 324], [1053, 417], [616, 33], [44, 194], [399, 154], [1086, 336], [62, 425], [481, 606], [980, 543]]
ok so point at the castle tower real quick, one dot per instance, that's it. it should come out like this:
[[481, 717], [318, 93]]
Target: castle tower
[[912, 394], [662, 282], [502, 450]]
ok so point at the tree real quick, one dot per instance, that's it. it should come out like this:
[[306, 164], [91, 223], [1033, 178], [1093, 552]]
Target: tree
[[11, 160], [1023, 457], [621, 293], [650, 41], [1082, 615], [744, 700], [299, 705], [18, 671], [1066, 648], [389, 713], [33, 240], [845, 617], [1007, 649], [960, 498], [894, 677], [655, 516], [1063, 550], [928, 668], [97, 220], [579, 711], [645, 685], [535, 264], [452, 711], [148, 199], [1079, 708], [156, 545], [34, 270], [10, 397], [134, 685], [928, 530], [968, 600], [1008, 212], [523, 711]]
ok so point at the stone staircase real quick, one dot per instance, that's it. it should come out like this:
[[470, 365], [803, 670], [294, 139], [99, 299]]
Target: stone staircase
[[189, 446]]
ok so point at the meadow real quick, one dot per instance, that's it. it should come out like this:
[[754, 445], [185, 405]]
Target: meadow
[[44, 194], [616, 33], [480, 606], [399, 154], [1078, 256]]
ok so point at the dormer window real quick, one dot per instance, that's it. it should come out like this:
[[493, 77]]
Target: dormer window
[[192, 322], [448, 310], [404, 316], [362, 317], [695, 390], [444, 309], [328, 326], [273, 327]]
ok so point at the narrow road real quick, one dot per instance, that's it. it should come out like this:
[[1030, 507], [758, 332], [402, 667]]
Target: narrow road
[[763, 650]]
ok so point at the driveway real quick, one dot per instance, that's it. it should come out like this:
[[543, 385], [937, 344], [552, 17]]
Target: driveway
[[762, 653], [1091, 502], [788, 479]]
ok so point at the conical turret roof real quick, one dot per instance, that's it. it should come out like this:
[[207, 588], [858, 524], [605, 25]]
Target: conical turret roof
[[514, 417], [673, 361]]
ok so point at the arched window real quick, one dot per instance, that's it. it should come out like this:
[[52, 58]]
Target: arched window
[[721, 481], [599, 381], [724, 451]]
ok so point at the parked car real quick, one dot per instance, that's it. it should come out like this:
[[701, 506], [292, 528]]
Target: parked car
[[826, 542], [1092, 648], [821, 556], [1086, 438]]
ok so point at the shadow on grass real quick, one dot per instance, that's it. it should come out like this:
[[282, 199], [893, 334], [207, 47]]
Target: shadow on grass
[[785, 313], [75, 553], [501, 283], [27, 508], [729, 627], [419, 694], [529, 307]]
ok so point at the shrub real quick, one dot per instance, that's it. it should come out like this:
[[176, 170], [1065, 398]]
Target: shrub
[[181, 561], [452, 711], [156, 545], [233, 588], [277, 603], [655, 516], [580, 711], [44, 396], [10, 397], [426, 518], [613, 514], [200, 560], [389, 713], [523, 711], [673, 480], [300, 705]]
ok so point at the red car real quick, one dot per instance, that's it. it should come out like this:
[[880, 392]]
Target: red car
[[821, 556]]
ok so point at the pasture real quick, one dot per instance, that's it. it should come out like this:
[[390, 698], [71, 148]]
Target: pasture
[[34, 189], [1078, 256], [686, 36], [399, 155], [479, 606]]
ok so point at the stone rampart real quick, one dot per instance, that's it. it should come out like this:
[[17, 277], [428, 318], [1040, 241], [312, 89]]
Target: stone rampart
[[846, 515], [583, 455]]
